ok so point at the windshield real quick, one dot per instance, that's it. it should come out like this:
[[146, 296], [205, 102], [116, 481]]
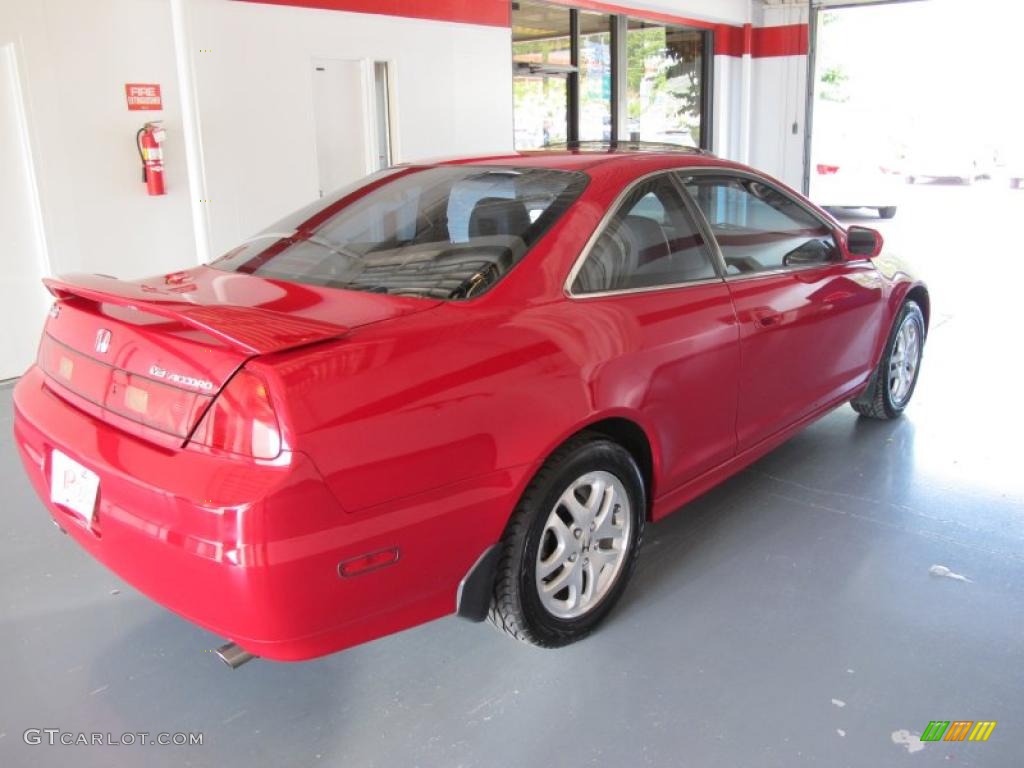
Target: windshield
[[447, 232]]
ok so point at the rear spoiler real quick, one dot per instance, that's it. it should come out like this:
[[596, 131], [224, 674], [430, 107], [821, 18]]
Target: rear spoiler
[[252, 330]]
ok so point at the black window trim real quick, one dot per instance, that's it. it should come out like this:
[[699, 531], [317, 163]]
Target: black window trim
[[683, 172], [710, 246]]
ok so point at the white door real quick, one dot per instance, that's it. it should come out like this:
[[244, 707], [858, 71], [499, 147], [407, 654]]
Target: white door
[[23, 300], [341, 119]]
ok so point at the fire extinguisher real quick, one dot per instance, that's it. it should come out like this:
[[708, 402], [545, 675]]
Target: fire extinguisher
[[148, 141]]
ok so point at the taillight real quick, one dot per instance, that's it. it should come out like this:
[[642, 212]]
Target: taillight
[[241, 420], [827, 170]]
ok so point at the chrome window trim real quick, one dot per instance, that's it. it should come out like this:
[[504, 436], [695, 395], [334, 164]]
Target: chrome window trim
[[682, 172], [709, 248], [776, 272], [643, 289]]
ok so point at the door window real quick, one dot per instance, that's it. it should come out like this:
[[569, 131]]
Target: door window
[[758, 228], [649, 242]]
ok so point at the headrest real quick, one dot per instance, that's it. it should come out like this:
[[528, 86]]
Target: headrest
[[648, 238], [498, 216]]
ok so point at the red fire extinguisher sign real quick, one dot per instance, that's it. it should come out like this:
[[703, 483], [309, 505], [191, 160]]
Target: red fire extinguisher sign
[[143, 96]]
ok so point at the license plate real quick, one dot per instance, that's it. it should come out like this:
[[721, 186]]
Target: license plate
[[72, 485]]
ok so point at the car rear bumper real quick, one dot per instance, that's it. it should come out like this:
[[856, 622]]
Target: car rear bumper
[[251, 551]]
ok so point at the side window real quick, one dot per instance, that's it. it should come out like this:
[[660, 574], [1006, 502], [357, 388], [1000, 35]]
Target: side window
[[759, 228], [650, 241]]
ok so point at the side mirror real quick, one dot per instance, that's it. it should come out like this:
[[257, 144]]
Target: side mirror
[[809, 253], [863, 243]]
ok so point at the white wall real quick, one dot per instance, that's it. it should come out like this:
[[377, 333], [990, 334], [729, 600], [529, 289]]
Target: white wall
[[451, 83], [75, 58], [778, 104], [731, 107], [254, 95], [777, 117], [23, 299]]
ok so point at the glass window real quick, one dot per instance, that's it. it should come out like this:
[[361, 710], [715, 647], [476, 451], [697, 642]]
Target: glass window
[[758, 227], [563, 84], [650, 241], [664, 82], [541, 61], [595, 77], [446, 232]]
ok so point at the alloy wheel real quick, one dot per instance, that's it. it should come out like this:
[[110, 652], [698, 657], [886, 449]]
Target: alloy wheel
[[904, 361], [584, 545]]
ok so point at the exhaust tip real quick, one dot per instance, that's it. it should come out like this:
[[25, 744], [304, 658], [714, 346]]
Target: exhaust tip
[[234, 655]]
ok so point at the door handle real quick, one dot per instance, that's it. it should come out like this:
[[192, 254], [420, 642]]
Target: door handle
[[766, 318]]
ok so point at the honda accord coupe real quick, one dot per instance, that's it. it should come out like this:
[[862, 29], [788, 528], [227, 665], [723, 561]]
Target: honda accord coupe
[[453, 387]]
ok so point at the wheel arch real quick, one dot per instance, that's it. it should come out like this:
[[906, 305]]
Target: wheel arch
[[901, 292], [919, 294], [474, 591], [630, 430], [631, 436]]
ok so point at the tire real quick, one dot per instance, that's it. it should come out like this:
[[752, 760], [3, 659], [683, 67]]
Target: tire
[[533, 542], [887, 212], [884, 398]]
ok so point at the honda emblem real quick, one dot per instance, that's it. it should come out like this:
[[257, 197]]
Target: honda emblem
[[102, 340]]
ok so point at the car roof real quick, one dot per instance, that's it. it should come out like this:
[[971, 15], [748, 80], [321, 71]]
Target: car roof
[[585, 158]]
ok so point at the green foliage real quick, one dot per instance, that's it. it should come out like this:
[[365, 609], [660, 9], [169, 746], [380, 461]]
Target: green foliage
[[833, 80], [654, 68], [542, 49]]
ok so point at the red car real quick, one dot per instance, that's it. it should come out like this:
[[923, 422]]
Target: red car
[[453, 387]]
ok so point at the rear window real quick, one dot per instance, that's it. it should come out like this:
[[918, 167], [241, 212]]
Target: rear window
[[447, 232]]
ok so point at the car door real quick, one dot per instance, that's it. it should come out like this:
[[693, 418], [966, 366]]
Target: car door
[[806, 316], [649, 290]]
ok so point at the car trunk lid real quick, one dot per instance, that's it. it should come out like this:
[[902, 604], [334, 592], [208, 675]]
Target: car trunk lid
[[149, 356]]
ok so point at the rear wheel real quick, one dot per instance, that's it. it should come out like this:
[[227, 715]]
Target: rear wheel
[[893, 382], [571, 544], [887, 212]]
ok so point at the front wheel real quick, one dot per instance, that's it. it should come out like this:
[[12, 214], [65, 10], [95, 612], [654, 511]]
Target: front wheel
[[571, 544], [892, 385], [887, 212]]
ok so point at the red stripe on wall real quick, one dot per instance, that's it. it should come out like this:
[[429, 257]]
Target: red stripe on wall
[[789, 40], [730, 40], [492, 13], [639, 13]]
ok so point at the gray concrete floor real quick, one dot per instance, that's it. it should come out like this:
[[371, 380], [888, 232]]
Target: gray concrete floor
[[786, 618]]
